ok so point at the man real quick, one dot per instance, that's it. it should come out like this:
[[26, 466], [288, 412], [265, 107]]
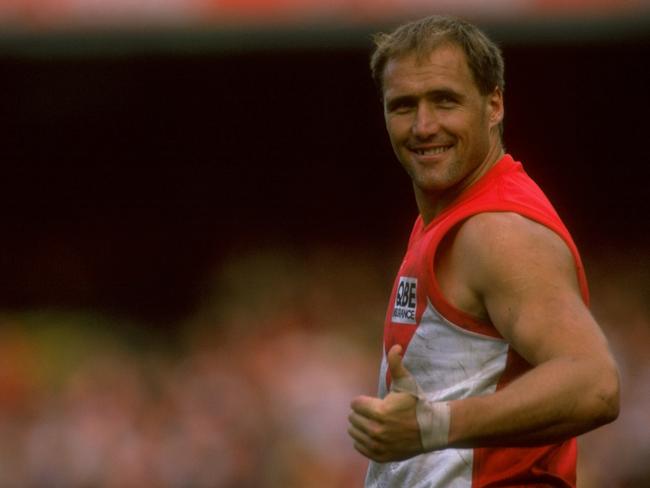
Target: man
[[492, 362]]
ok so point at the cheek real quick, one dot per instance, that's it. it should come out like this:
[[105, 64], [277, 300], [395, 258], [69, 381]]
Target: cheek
[[472, 132], [398, 128]]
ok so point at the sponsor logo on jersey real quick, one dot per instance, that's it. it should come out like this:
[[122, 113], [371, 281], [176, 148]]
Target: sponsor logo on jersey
[[405, 301]]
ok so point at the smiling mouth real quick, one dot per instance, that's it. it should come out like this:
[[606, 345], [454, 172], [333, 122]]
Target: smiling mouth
[[431, 151]]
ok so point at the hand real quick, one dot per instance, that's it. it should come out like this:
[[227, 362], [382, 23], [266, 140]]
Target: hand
[[387, 430]]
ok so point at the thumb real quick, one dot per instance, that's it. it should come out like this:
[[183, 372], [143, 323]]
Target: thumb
[[401, 379], [397, 369]]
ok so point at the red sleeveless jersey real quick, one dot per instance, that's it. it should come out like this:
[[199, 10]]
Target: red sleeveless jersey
[[454, 355]]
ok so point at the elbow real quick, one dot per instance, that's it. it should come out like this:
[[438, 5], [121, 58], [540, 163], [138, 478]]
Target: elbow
[[613, 401], [607, 397]]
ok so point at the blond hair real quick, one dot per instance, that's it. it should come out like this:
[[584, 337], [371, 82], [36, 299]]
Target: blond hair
[[422, 36]]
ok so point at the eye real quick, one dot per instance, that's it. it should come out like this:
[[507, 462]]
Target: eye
[[400, 106], [446, 101]]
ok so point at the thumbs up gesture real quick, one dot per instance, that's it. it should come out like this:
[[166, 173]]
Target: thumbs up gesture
[[387, 429]]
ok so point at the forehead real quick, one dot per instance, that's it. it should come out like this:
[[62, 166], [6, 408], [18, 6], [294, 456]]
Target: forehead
[[444, 66]]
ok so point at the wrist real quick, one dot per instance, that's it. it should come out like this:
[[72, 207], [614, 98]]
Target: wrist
[[434, 420]]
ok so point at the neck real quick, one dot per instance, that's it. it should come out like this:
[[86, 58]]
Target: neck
[[432, 204]]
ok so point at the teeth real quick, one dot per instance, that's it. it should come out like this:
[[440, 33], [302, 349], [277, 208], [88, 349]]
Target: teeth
[[435, 150]]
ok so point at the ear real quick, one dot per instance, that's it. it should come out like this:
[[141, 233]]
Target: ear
[[495, 107]]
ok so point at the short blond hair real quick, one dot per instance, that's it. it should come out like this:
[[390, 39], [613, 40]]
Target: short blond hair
[[484, 57]]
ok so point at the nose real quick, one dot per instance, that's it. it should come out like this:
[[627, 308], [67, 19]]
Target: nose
[[425, 122]]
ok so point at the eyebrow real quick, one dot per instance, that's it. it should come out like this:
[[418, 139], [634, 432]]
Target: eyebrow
[[436, 94]]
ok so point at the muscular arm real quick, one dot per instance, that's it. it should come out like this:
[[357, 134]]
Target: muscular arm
[[522, 276]]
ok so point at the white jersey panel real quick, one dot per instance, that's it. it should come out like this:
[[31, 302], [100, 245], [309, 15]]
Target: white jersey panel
[[449, 363]]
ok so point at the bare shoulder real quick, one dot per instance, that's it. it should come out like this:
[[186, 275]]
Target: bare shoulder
[[509, 229], [504, 261], [524, 274], [504, 257], [506, 242]]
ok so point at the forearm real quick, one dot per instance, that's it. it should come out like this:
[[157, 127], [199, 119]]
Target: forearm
[[556, 400]]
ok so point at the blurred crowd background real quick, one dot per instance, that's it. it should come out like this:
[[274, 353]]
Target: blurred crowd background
[[252, 390], [201, 217]]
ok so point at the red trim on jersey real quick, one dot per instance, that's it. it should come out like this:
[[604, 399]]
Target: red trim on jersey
[[526, 467], [507, 188], [551, 465], [504, 188]]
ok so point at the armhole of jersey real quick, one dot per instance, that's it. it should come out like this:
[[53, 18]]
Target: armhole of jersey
[[464, 319]]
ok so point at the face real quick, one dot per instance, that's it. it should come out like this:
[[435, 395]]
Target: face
[[443, 131]]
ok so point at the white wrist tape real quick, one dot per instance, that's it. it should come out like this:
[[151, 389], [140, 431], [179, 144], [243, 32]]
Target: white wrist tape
[[433, 417]]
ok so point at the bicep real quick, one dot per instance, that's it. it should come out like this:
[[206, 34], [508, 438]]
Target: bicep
[[527, 280]]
